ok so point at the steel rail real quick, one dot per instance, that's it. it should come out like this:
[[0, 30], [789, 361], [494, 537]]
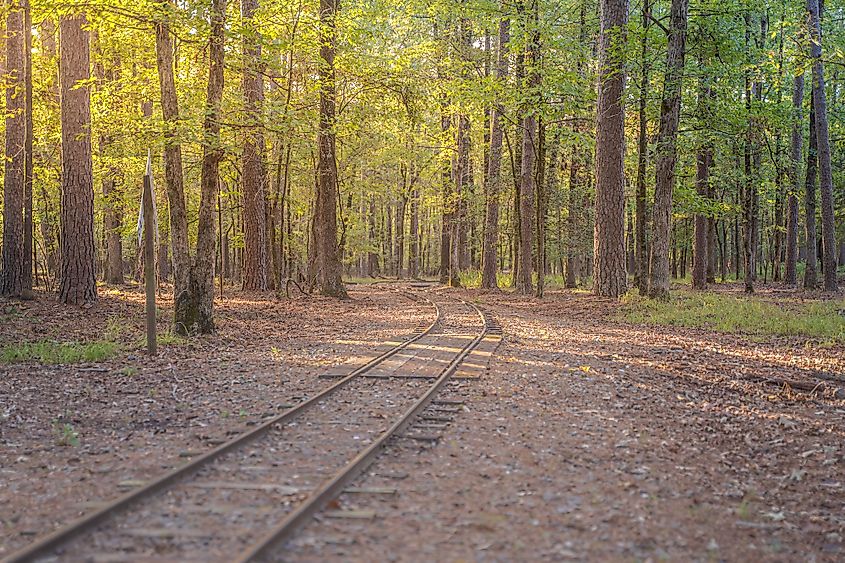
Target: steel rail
[[50, 542], [336, 484]]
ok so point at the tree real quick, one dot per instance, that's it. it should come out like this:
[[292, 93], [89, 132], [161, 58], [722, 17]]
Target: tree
[[12, 273], [640, 245], [529, 142], [823, 147], [78, 282], [255, 227], [112, 213], [609, 242], [670, 109], [174, 181], [198, 304], [791, 277], [325, 267], [494, 174], [704, 160], [811, 261]]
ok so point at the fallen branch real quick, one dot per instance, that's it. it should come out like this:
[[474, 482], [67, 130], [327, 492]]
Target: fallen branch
[[806, 386], [294, 282]]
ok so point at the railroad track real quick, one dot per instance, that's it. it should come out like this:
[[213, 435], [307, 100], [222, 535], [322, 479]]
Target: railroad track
[[246, 497]]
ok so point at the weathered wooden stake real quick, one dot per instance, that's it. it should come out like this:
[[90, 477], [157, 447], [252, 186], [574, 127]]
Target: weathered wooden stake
[[149, 261]]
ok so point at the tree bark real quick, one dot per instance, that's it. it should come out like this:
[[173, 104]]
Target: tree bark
[[28, 255], [640, 247], [823, 148], [527, 188], [494, 173], [701, 254], [111, 213], [791, 277], [811, 261], [173, 171], [670, 110], [198, 308], [255, 223], [609, 278], [12, 273], [414, 234], [78, 284], [325, 266]]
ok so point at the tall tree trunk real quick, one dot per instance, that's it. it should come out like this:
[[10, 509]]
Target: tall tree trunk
[[823, 148], [325, 266], [811, 262], [255, 223], [112, 213], [199, 307], [414, 245], [610, 278], [78, 284], [12, 273], [670, 109], [701, 254], [546, 183], [641, 248], [173, 171], [494, 172], [461, 174], [49, 227], [448, 202], [574, 220], [399, 248], [372, 239], [28, 255], [525, 283], [791, 277]]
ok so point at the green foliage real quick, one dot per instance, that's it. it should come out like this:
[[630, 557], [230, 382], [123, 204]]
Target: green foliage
[[52, 352], [471, 279], [822, 321], [65, 434]]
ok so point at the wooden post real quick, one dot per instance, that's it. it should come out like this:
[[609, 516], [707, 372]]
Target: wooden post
[[149, 260]]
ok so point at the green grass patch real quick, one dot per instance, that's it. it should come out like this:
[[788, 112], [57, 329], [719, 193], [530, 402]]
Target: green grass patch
[[817, 320], [51, 352], [471, 279]]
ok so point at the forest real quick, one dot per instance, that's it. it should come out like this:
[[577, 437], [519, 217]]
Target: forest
[[470, 280], [466, 140]]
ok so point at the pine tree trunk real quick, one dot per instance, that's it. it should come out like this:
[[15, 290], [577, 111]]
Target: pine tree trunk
[[28, 256], [811, 261], [701, 254], [399, 249], [573, 221], [255, 220], [78, 284], [414, 245], [12, 270], [823, 148], [641, 248], [791, 277], [173, 173], [610, 278], [494, 172], [670, 110], [112, 212], [325, 266]]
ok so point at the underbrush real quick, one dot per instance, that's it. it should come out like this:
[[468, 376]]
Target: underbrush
[[51, 352], [822, 321]]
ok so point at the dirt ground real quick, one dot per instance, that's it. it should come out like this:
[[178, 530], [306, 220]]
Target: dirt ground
[[587, 439], [135, 416]]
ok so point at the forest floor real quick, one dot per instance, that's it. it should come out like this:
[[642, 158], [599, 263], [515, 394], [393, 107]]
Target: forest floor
[[590, 437]]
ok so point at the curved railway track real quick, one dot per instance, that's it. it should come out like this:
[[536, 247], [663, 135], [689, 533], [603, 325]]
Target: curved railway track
[[227, 493]]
